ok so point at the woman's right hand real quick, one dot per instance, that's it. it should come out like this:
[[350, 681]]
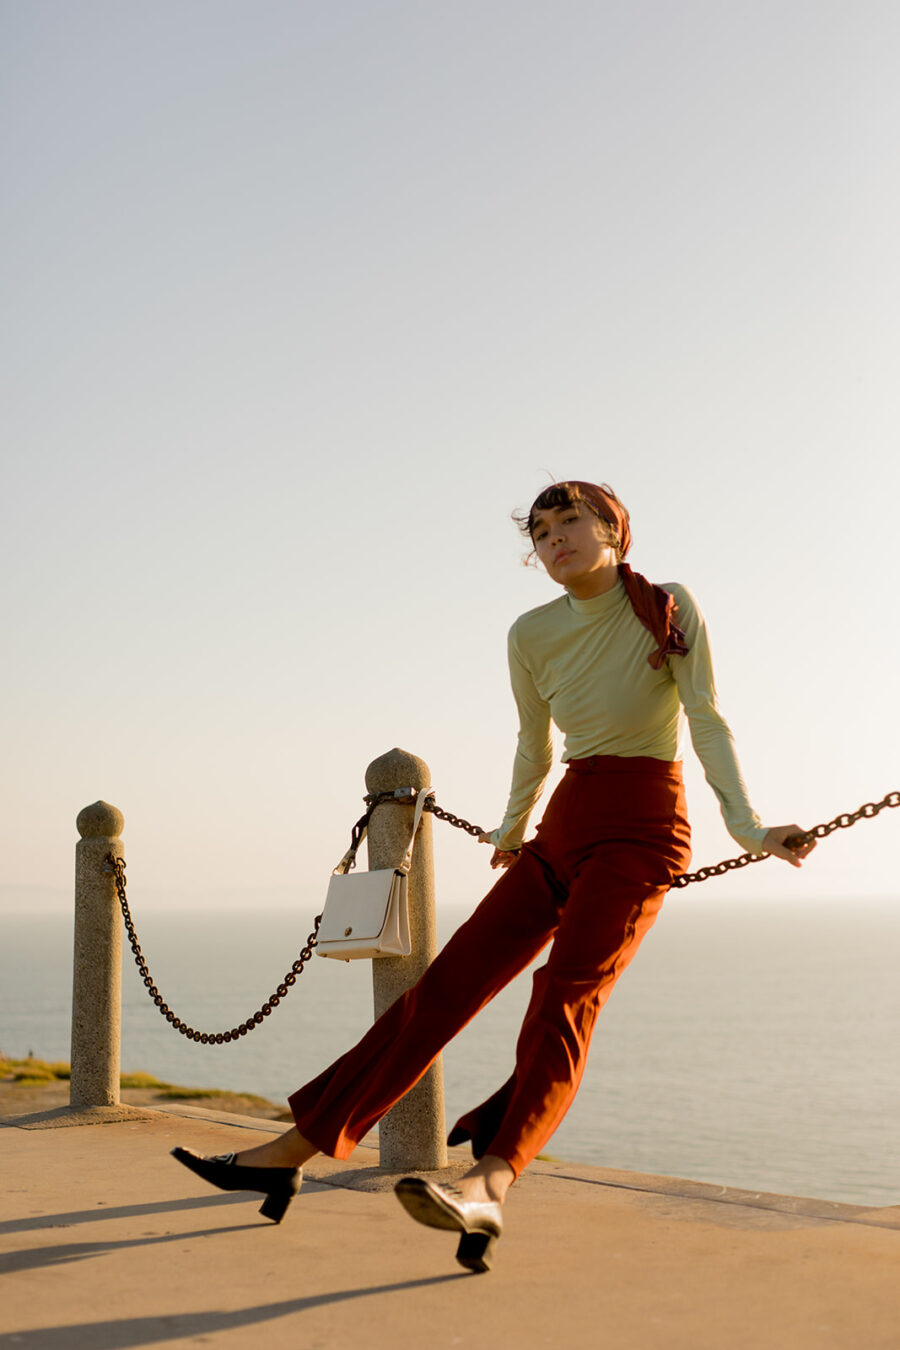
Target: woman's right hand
[[500, 857]]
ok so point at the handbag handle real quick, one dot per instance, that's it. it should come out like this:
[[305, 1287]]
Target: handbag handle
[[349, 858]]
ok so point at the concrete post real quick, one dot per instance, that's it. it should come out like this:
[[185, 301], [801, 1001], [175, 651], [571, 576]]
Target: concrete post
[[97, 980], [412, 1136]]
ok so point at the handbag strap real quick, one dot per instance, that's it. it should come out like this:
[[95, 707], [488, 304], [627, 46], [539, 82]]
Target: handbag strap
[[349, 859]]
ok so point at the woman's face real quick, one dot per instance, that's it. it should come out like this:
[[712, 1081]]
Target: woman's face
[[574, 545]]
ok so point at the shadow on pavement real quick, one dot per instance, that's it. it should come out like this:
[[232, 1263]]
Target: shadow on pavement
[[64, 1253], [122, 1211], [134, 1331]]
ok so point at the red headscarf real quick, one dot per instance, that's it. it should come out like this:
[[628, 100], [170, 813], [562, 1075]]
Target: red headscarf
[[654, 606]]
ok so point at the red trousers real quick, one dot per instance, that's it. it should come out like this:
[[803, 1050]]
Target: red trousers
[[612, 839]]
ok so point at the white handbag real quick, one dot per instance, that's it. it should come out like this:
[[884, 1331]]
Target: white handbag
[[365, 913]]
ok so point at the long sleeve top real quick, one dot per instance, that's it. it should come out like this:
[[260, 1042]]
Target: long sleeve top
[[583, 665]]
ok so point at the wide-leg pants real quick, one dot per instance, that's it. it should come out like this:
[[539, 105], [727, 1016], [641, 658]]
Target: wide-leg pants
[[612, 839]]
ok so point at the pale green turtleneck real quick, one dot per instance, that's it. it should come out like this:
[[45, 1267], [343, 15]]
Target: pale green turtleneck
[[583, 664]]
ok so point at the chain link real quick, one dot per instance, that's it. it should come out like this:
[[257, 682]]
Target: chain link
[[403, 796], [117, 867], [457, 821]]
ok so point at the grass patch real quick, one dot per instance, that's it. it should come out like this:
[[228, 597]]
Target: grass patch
[[141, 1080], [31, 1072], [38, 1073], [175, 1093]]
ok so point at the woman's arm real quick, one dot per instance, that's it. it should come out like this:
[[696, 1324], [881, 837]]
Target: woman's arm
[[713, 742], [534, 756]]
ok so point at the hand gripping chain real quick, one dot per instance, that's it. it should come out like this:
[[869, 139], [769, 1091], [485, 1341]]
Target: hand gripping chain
[[841, 822], [405, 796]]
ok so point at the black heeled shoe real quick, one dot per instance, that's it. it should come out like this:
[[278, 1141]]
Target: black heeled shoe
[[476, 1251], [440, 1204], [278, 1184]]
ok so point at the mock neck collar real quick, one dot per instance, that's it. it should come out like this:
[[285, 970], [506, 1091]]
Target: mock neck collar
[[598, 604]]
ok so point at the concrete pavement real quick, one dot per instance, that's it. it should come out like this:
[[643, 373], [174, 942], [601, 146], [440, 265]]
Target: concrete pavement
[[107, 1243]]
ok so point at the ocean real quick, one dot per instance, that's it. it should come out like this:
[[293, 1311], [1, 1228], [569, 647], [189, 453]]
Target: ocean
[[749, 1044]]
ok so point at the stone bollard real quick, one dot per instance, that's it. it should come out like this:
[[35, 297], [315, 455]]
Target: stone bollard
[[97, 980], [412, 1135]]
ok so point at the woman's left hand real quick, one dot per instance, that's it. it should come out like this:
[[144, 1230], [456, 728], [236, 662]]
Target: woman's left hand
[[774, 844], [500, 857]]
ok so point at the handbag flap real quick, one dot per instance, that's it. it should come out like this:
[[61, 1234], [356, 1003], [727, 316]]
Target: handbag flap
[[356, 906]]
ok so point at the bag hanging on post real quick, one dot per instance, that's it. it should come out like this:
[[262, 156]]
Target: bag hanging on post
[[366, 914]]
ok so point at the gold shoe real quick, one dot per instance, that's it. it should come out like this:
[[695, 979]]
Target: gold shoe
[[440, 1204]]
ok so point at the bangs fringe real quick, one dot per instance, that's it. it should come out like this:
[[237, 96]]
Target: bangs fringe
[[558, 494]]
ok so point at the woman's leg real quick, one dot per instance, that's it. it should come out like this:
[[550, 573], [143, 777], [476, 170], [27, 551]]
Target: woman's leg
[[616, 887], [512, 1126], [508, 929], [590, 952]]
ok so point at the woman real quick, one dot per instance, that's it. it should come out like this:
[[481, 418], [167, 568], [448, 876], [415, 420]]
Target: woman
[[607, 662]]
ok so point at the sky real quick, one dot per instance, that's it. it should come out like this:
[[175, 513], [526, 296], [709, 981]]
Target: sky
[[302, 300]]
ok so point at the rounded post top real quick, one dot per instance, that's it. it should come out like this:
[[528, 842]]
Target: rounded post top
[[398, 768], [100, 821]]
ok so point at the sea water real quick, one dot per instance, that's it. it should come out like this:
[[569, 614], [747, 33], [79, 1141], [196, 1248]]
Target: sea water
[[749, 1044]]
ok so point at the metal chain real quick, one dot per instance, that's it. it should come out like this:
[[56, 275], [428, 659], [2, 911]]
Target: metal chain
[[841, 822], [405, 795], [460, 824], [117, 867]]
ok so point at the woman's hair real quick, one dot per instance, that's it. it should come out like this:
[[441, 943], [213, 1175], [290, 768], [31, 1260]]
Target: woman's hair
[[571, 493]]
